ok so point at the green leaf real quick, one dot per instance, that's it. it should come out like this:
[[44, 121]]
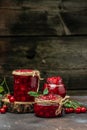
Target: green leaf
[[45, 91], [1, 89], [0, 95], [34, 94]]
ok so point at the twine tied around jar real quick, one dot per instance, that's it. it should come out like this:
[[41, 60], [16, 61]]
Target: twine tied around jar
[[27, 73], [58, 111]]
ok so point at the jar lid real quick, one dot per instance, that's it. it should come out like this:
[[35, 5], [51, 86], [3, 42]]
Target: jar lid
[[26, 72]]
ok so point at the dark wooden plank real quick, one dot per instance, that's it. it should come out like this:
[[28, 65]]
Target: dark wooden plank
[[49, 17], [64, 56]]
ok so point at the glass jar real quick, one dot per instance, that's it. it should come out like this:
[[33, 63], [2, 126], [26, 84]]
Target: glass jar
[[59, 89], [25, 80], [48, 108]]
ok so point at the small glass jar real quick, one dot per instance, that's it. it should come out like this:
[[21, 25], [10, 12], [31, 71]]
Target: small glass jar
[[55, 88], [48, 108], [25, 80]]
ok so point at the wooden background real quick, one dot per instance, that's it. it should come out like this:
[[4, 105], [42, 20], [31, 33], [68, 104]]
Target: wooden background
[[43, 17], [48, 35]]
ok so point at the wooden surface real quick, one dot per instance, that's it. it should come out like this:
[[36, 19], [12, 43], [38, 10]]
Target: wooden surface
[[29, 121], [43, 17]]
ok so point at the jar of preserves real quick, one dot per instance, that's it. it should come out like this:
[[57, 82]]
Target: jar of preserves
[[48, 106], [55, 85], [25, 80]]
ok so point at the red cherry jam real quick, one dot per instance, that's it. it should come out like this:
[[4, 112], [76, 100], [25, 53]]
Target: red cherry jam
[[55, 85], [47, 110], [56, 89], [24, 81]]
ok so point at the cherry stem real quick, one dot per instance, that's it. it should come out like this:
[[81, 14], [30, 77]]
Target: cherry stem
[[73, 104], [4, 82]]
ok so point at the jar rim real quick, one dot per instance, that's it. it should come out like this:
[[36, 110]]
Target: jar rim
[[26, 72]]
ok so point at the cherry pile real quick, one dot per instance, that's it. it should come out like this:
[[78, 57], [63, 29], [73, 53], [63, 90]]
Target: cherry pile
[[5, 94], [74, 107], [11, 98], [4, 107]]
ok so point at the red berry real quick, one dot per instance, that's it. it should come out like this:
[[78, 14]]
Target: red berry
[[78, 110], [12, 99], [9, 96], [5, 107], [71, 110], [83, 109], [3, 110], [67, 110]]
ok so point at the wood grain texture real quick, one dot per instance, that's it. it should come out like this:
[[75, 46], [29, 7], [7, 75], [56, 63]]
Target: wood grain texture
[[44, 17], [64, 56], [28, 38]]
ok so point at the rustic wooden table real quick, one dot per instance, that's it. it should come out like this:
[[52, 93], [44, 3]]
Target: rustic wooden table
[[11, 121]]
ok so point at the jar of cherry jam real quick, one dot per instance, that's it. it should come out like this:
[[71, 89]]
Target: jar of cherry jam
[[25, 80], [55, 85], [48, 106]]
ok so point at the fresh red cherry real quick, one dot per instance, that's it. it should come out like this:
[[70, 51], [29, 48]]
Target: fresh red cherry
[[2, 110], [78, 110], [9, 95], [5, 107], [71, 110], [67, 110], [83, 109], [12, 99]]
